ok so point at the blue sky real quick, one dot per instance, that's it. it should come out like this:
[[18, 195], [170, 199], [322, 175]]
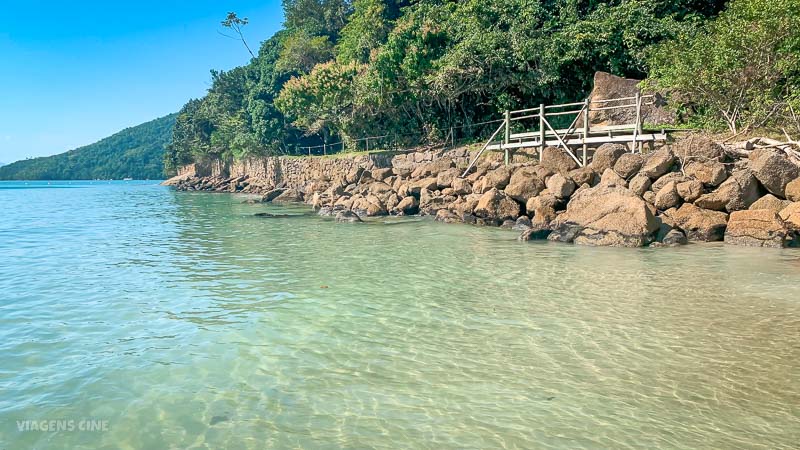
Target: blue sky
[[74, 72]]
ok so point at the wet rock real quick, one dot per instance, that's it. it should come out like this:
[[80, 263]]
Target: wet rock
[[690, 190], [272, 195], [496, 204], [700, 224], [446, 216], [560, 186], [288, 196], [773, 169], [508, 224], [736, 193], [408, 206], [535, 232], [667, 197], [674, 238], [348, 217], [523, 223], [756, 228], [606, 156], [793, 190], [771, 203], [628, 165], [608, 216], [368, 206], [658, 163], [524, 184], [557, 160]]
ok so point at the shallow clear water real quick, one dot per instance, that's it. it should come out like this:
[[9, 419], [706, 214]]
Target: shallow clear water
[[179, 320]]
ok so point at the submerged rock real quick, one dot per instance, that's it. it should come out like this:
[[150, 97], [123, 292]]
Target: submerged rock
[[348, 217]]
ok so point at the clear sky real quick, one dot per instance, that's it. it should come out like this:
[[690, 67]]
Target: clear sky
[[73, 72]]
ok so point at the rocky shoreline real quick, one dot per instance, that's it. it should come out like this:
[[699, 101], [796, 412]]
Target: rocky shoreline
[[692, 190]]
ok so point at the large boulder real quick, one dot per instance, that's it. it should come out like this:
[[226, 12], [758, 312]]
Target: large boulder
[[639, 184], [606, 156], [628, 165], [560, 186], [408, 206], [461, 186], [609, 216], [445, 178], [690, 190], [607, 86], [756, 228], [793, 190], [699, 224], [584, 175], [771, 203], [288, 196], [698, 147], [272, 195], [773, 169], [667, 197], [611, 179], [658, 163], [557, 160], [497, 179], [524, 184], [368, 206], [347, 216], [708, 172], [791, 215], [416, 187], [676, 177], [496, 204], [736, 193]]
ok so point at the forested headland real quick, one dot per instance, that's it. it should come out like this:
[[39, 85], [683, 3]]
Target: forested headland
[[135, 152], [340, 70]]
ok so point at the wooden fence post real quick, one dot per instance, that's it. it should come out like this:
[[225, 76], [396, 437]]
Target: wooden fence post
[[325, 148], [586, 106], [542, 138], [507, 137]]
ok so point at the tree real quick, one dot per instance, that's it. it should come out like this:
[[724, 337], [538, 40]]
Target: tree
[[740, 70], [233, 22]]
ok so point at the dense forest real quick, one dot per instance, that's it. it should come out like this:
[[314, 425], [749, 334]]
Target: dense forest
[[414, 70], [135, 152]]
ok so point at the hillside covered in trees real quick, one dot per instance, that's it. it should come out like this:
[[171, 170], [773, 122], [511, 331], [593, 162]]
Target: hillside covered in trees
[[414, 70], [135, 152]]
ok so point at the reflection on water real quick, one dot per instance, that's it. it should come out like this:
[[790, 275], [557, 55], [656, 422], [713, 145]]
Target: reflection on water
[[185, 321]]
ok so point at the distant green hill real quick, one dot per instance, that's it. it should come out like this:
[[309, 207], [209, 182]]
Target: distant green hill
[[136, 152]]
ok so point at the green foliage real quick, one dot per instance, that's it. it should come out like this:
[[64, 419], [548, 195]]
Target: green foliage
[[417, 69], [741, 70], [135, 152]]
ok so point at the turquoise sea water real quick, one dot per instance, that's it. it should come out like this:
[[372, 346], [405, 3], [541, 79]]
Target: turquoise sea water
[[160, 320]]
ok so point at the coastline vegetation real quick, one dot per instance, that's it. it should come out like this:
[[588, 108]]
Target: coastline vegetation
[[340, 70]]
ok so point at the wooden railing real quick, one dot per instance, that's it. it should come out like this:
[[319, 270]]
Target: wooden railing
[[579, 133]]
